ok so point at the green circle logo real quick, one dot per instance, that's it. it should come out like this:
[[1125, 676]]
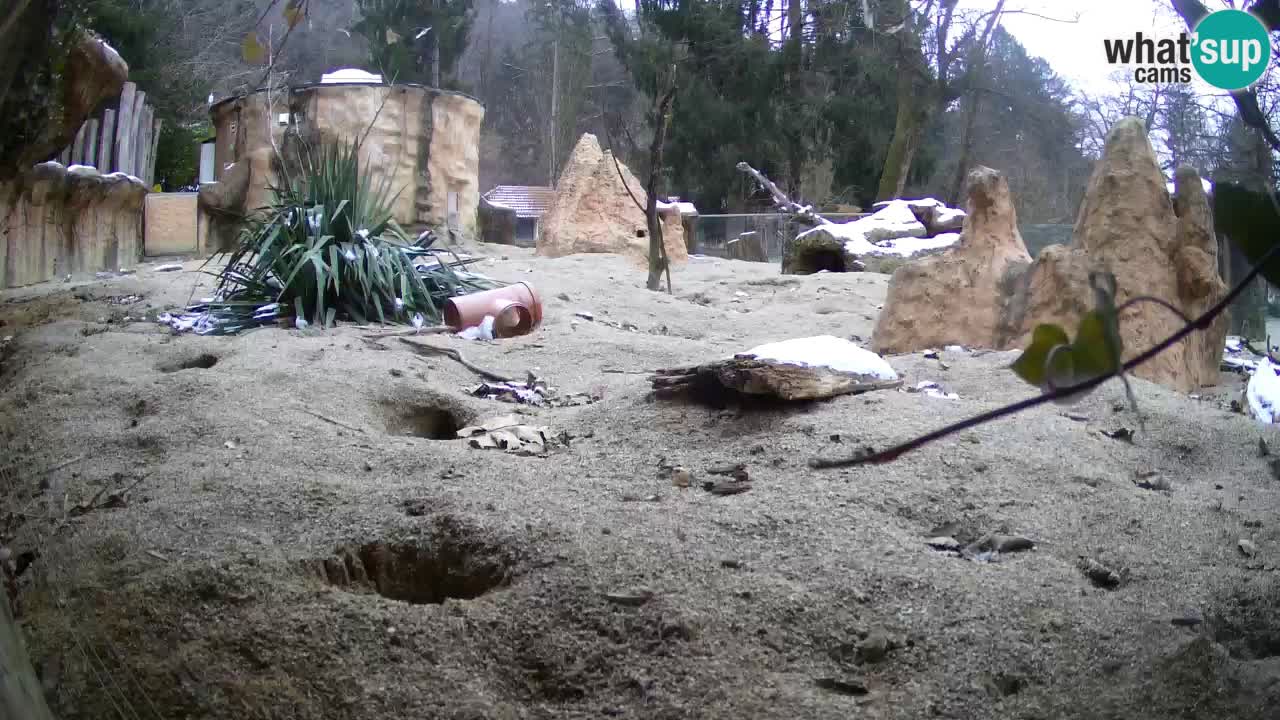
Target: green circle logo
[[1231, 49]]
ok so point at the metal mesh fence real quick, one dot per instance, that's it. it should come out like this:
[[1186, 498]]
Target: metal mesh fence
[[712, 233]]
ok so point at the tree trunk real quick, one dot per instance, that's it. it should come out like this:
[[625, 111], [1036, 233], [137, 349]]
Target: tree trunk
[[657, 250], [966, 149], [913, 112]]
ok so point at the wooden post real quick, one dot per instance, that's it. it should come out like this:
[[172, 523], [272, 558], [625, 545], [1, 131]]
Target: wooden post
[[143, 146], [77, 145], [91, 144], [124, 123], [108, 142], [155, 147], [135, 134]]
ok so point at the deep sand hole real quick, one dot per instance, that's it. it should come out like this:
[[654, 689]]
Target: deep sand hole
[[203, 361], [457, 562], [1247, 624], [425, 417]]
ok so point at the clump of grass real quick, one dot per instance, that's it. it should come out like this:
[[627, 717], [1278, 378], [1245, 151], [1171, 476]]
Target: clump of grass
[[328, 247]]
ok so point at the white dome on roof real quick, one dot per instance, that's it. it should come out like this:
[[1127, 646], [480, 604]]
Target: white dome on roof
[[350, 75]]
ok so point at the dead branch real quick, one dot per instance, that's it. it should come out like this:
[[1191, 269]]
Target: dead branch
[[422, 349], [784, 204]]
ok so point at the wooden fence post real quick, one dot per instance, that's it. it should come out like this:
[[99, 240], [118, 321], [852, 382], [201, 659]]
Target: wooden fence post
[[124, 124], [77, 145], [142, 135], [105, 156], [91, 145], [155, 147]]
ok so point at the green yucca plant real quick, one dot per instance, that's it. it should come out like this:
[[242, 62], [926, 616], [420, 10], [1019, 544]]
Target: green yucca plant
[[328, 246]]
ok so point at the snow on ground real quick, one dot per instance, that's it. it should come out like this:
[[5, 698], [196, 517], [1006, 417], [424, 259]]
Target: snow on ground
[[907, 247], [826, 351], [1264, 393]]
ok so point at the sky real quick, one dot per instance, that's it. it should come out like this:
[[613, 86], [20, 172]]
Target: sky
[[1074, 49]]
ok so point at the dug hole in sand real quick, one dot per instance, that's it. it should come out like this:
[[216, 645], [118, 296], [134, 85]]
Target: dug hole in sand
[[283, 524]]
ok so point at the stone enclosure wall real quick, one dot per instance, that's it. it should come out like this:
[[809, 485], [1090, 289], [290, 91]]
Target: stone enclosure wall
[[56, 221], [425, 140]]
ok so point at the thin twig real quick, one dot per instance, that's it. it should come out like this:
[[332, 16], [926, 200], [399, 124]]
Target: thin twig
[[13, 468], [432, 330], [331, 421], [454, 354], [1200, 323]]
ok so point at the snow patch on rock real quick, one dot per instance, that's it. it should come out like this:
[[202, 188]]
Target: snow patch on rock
[[825, 351]]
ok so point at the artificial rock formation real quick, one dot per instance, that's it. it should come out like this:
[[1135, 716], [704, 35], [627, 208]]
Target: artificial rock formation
[[56, 222], [595, 213], [1128, 226], [983, 293], [960, 296], [48, 122]]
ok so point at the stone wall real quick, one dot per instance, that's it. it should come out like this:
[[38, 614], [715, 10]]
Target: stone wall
[[56, 221], [426, 140]]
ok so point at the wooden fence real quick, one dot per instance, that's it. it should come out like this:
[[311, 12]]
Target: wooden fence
[[122, 137]]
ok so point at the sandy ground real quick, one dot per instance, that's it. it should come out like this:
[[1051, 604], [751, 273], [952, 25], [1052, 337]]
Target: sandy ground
[[290, 549]]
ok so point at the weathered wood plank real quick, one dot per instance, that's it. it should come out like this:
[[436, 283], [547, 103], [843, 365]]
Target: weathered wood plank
[[77, 145], [135, 139], [144, 142], [124, 125], [91, 144], [108, 142], [155, 147]]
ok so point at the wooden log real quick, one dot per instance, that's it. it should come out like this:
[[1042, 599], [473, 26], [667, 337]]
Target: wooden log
[[107, 143], [91, 144], [124, 125], [784, 204], [762, 378]]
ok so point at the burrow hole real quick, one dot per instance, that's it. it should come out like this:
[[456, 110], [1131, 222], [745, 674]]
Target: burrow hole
[[456, 563], [203, 361], [429, 419], [819, 259]]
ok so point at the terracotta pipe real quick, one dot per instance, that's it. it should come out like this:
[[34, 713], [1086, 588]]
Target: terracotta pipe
[[516, 310]]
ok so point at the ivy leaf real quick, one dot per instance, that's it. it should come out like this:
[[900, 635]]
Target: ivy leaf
[[1032, 365], [294, 12], [1095, 352], [252, 50]]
